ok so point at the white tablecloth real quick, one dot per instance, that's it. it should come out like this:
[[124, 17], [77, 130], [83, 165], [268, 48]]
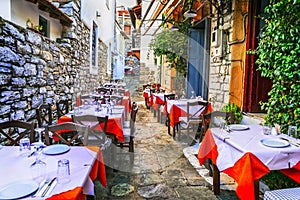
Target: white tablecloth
[[14, 167], [237, 143]]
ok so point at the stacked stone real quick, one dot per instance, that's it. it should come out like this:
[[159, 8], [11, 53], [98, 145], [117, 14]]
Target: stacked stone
[[36, 70]]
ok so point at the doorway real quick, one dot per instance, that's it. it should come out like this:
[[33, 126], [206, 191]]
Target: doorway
[[256, 87], [198, 59]]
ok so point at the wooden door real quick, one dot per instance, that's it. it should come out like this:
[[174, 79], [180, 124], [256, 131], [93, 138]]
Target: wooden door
[[256, 88]]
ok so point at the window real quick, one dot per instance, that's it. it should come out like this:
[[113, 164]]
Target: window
[[94, 44], [44, 26]]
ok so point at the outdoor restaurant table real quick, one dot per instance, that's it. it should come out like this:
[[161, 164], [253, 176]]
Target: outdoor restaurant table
[[115, 119], [148, 97], [241, 155], [85, 166], [178, 108]]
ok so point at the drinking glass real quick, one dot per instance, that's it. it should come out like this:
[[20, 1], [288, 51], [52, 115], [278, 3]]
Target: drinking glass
[[38, 167], [193, 95], [63, 171], [267, 129], [40, 132], [292, 131], [25, 147]]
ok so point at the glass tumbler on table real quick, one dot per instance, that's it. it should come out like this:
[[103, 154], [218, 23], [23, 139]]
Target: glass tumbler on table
[[292, 131], [25, 148], [63, 171]]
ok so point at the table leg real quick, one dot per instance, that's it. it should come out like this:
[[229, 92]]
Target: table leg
[[168, 124], [216, 180], [256, 189]]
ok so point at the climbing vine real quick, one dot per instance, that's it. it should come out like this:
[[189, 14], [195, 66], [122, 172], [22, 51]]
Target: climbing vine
[[279, 59]]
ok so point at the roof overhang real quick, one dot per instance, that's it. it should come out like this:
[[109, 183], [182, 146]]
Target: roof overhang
[[54, 12]]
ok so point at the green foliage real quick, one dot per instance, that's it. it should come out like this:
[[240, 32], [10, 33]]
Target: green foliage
[[276, 180], [279, 59], [236, 110], [173, 45]]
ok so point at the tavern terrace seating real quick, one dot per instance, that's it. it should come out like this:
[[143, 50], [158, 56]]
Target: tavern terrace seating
[[13, 131], [79, 133], [193, 120]]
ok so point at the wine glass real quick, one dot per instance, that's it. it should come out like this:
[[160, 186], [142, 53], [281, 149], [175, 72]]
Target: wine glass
[[38, 167], [40, 132]]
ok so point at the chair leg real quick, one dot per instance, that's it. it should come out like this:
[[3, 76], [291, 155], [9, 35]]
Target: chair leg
[[131, 145]]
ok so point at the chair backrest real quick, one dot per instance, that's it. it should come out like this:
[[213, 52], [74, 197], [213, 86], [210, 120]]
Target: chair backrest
[[15, 130], [134, 110], [84, 99], [80, 132], [62, 108], [44, 115], [116, 100], [169, 97], [208, 119], [97, 126], [195, 109]]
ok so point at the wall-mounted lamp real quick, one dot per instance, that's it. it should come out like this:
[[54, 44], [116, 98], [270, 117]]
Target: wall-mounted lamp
[[190, 13], [98, 14]]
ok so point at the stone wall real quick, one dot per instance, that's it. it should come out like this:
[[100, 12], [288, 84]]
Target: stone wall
[[36, 70], [228, 56]]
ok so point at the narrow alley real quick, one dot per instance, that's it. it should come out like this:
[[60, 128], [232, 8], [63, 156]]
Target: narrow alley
[[160, 169]]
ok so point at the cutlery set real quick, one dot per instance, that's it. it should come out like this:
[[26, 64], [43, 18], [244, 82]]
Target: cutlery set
[[291, 142], [46, 188]]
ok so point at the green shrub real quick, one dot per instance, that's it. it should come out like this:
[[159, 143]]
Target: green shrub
[[236, 110], [276, 180]]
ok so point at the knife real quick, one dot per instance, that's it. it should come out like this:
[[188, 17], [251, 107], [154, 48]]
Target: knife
[[48, 186], [40, 190], [291, 142], [51, 188]]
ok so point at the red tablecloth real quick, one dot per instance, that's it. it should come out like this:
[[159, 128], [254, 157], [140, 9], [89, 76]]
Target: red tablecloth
[[247, 169], [176, 112], [114, 126]]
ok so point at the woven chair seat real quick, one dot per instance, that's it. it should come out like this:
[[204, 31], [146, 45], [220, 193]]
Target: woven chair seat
[[283, 194]]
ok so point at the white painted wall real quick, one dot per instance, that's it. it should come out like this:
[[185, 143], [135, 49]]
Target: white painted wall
[[5, 9], [32, 12], [18, 11], [105, 22]]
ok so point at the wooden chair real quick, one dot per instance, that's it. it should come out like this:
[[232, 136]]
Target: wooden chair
[[79, 133], [286, 193], [129, 133], [97, 132], [85, 99], [162, 116], [193, 120], [62, 108], [44, 115], [15, 130], [208, 122]]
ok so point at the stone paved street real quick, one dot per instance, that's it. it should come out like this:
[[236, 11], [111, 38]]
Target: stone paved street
[[160, 169]]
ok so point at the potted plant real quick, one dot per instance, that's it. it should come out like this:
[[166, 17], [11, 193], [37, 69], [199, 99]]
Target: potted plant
[[36, 28], [236, 110]]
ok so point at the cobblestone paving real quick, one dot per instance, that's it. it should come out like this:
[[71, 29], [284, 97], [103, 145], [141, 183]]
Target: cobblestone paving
[[160, 170]]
